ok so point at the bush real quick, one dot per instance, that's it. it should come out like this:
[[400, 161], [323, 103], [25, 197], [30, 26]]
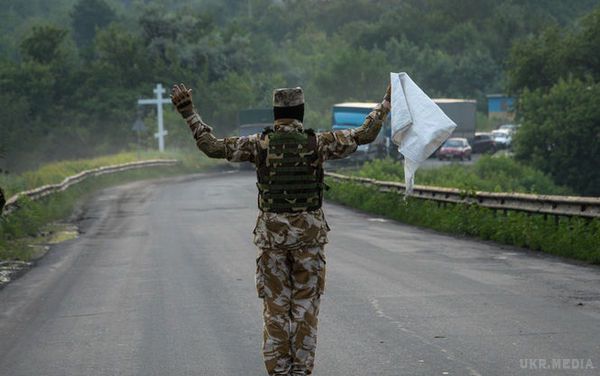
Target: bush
[[490, 174]]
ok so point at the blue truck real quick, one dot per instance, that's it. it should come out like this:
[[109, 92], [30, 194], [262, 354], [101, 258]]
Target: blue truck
[[352, 115]]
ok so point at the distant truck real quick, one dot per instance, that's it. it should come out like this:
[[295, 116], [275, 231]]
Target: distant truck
[[254, 120], [352, 115], [463, 113]]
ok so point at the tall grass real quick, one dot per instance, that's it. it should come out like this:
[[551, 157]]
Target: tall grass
[[55, 172], [491, 174]]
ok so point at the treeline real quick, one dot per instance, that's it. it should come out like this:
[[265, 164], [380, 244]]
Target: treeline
[[556, 74], [71, 71]]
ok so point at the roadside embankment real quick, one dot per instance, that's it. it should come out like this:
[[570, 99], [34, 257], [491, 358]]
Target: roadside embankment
[[27, 231], [569, 236]]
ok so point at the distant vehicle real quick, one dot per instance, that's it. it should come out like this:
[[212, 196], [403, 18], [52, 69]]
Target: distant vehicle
[[502, 138], [256, 116], [483, 143], [512, 128], [462, 112], [352, 115], [253, 121], [250, 129], [455, 148]]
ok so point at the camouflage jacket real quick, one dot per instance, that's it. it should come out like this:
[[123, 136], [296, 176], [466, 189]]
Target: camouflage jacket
[[2, 200], [289, 230]]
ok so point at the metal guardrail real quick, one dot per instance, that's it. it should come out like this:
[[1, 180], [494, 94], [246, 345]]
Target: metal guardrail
[[588, 207], [45, 190]]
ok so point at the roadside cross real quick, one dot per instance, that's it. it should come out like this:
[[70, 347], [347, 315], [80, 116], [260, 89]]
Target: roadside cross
[[158, 101]]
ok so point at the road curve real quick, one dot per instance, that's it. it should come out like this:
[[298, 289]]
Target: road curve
[[161, 282]]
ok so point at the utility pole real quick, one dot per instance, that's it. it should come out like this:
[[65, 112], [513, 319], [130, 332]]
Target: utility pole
[[158, 101]]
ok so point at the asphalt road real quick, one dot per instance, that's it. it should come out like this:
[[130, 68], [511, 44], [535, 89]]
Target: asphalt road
[[161, 282]]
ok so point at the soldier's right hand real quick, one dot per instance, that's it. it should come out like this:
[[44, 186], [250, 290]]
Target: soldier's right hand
[[387, 98], [182, 100], [2, 200]]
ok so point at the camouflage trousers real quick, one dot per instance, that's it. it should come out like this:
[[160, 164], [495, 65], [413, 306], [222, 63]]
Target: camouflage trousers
[[290, 284]]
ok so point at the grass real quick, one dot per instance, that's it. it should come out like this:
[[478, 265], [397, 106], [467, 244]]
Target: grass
[[490, 174], [575, 238], [18, 230], [55, 172]]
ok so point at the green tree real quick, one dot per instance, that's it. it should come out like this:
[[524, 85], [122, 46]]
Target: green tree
[[537, 62], [584, 55], [87, 17], [556, 74], [561, 134], [44, 44], [234, 52]]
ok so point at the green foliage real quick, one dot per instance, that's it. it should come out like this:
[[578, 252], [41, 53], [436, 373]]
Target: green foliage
[[575, 238], [55, 172], [540, 61], [557, 75], [560, 134], [489, 174], [43, 45], [70, 85], [88, 16]]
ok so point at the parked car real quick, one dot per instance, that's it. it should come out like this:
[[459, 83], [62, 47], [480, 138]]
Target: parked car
[[455, 148], [512, 128], [483, 143], [502, 138]]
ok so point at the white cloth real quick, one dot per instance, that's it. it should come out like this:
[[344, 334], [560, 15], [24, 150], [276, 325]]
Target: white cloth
[[419, 126]]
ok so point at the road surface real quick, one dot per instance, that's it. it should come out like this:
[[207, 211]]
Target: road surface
[[161, 282]]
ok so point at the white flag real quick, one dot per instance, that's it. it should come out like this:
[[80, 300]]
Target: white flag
[[419, 126]]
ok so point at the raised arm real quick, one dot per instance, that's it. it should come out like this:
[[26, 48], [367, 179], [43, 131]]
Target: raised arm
[[234, 149], [340, 144], [2, 200], [368, 131]]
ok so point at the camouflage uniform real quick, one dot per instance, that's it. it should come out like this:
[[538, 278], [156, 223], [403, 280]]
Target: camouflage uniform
[[2, 200], [290, 275]]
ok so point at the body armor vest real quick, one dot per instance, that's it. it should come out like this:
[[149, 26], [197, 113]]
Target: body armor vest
[[290, 176]]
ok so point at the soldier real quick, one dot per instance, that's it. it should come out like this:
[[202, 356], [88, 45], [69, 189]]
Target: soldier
[[2, 200], [291, 230]]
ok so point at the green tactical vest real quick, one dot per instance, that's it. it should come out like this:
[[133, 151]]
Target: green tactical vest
[[290, 176]]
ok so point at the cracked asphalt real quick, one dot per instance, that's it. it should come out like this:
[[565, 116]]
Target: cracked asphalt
[[161, 282]]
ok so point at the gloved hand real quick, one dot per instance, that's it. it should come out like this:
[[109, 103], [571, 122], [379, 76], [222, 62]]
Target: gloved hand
[[2, 200], [182, 100], [387, 98]]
